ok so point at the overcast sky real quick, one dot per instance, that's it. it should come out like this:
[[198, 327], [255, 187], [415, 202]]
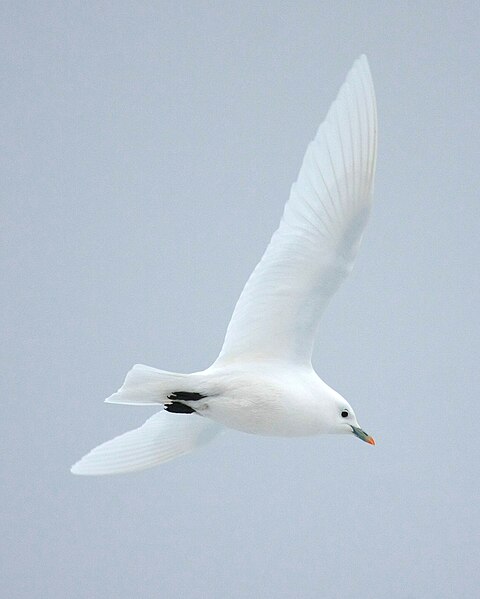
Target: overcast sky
[[147, 151]]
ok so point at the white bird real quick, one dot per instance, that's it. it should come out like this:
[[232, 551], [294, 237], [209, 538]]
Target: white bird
[[263, 381]]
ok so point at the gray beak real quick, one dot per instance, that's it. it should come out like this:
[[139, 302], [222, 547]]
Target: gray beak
[[362, 435]]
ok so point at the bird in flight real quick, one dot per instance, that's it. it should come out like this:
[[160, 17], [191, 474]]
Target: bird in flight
[[263, 381]]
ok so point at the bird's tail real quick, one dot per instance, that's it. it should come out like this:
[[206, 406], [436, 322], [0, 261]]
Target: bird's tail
[[145, 385], [161, 438]]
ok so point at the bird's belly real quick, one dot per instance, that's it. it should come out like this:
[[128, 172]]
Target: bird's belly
[[262, 417]]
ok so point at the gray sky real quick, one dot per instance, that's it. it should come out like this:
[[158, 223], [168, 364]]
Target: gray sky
[[148, 149]]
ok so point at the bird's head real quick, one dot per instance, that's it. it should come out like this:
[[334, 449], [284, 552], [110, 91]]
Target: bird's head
[[343, 420]]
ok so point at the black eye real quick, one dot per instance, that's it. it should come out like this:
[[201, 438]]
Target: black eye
[[344, 414]]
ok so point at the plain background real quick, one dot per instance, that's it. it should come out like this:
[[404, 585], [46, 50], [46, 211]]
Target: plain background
[[147, 151]]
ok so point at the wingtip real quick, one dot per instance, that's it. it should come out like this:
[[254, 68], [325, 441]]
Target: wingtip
[[362, 63], [82, 468], [76, 468]]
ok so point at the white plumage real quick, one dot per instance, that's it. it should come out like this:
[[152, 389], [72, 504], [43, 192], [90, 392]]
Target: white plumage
[[263, 382], [314, 248]]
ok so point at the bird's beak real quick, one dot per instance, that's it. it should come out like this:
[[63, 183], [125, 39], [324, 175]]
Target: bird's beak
[[362, 435]]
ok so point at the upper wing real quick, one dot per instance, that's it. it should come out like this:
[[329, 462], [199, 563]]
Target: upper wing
[[314, 248]]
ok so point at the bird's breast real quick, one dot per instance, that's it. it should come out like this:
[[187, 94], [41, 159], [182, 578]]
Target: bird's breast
[[265, 406]]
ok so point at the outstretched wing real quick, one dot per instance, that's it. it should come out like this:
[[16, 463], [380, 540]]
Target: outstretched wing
[[161, 438], [314, 248]]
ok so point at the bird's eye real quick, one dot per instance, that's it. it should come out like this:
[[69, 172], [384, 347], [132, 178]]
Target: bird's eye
[[344, 414]]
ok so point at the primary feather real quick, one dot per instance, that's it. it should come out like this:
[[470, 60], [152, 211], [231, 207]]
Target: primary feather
[[314, 248]]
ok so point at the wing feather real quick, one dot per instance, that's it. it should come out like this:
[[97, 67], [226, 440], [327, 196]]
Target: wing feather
[[314, 248]]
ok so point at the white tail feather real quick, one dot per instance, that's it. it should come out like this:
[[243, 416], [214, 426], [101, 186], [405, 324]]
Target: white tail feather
[[145, 385], [161, 438]]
